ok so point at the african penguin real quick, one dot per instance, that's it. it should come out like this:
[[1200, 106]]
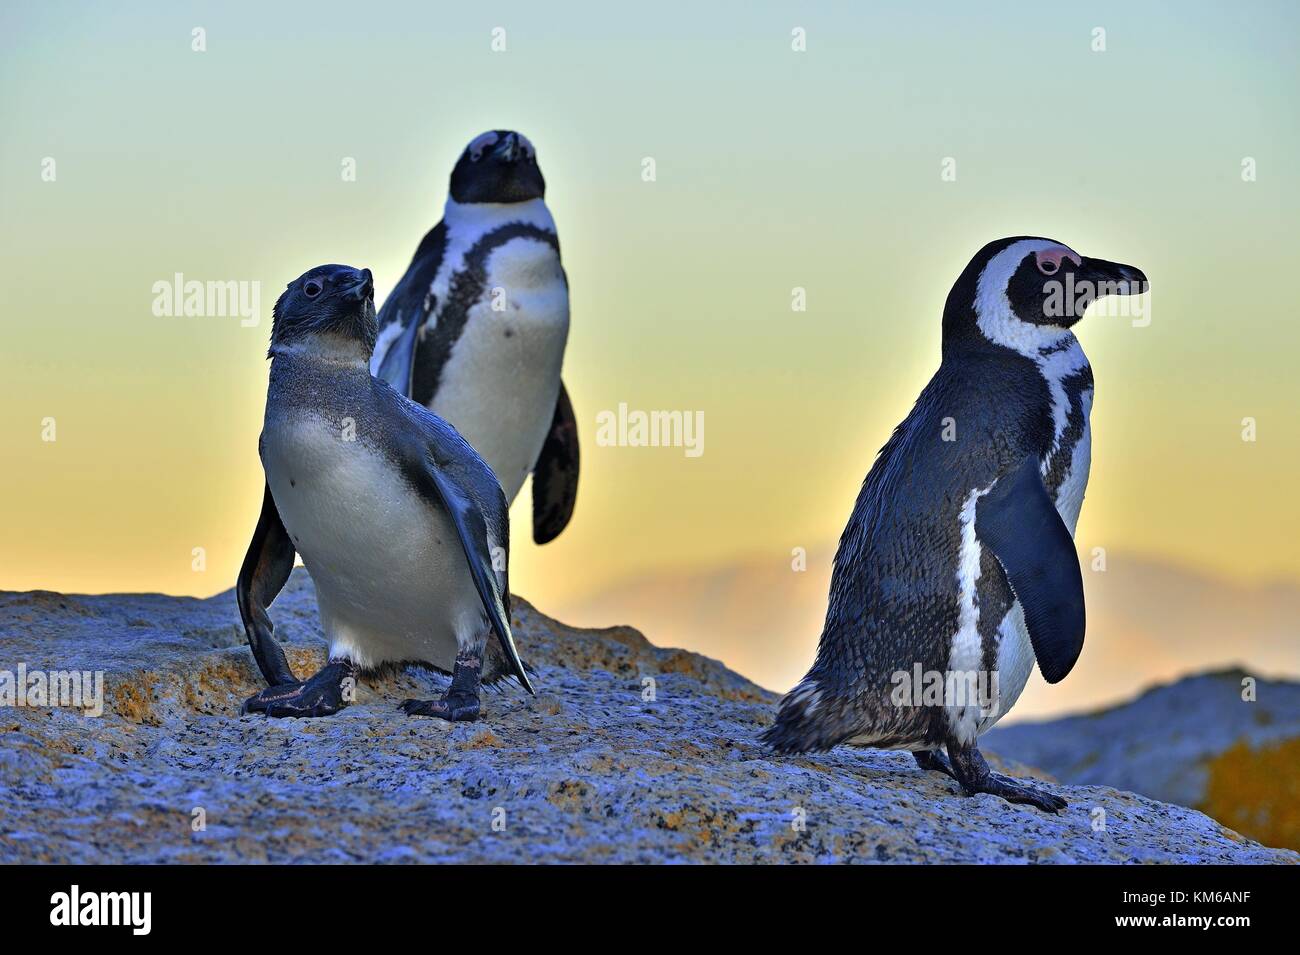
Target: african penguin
[[357, 476], [957, 569], [475, 330]]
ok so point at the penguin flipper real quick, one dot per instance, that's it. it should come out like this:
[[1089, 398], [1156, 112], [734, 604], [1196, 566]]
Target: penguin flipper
[[266, 567], [555, 475], [471, 527], [399, 360], [409, 305], [1019, 523]]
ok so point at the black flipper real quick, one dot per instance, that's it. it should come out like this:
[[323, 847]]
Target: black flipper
[[471, 527], [410, 304], [399, 360], [555, 475], [1019, 523], [266, 568]]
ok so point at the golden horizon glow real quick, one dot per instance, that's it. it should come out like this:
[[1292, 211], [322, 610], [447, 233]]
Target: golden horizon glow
[[775, 170]]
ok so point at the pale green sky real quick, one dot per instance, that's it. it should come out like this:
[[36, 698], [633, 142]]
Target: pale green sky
[[775, 169]]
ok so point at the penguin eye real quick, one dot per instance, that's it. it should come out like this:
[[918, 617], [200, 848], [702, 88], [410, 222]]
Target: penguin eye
[[1048, 267], [312, 288]]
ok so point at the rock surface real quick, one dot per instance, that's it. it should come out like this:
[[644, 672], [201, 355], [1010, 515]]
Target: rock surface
[[596, 768], [1202, 741]]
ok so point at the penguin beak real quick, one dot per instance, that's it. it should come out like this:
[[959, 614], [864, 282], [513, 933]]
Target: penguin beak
[[363, 289], [1111, 278]]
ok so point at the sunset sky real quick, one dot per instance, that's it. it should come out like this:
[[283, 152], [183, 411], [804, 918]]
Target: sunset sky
[[776, 169]]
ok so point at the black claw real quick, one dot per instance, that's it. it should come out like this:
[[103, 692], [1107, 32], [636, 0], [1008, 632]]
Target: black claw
[[460, 704], [973, 773], [259, 702], [322, 695], [934, 761], [1018, 792], [453, 710]]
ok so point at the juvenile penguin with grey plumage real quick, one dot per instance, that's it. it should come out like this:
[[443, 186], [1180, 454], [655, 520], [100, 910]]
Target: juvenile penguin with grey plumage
[[401, 524], [959, 558], [476, 328]]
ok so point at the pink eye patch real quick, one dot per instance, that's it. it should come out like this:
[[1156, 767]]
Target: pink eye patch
[[1049, 260]]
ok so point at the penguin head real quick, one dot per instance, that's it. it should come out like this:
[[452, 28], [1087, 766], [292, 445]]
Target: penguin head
[[498, 166], [330, 306], [1025, 292]]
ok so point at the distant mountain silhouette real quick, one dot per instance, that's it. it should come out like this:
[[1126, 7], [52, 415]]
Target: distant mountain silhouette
[[1148, 622], [1225, 743]]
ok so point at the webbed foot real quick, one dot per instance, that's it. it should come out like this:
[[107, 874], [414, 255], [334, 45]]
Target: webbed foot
[[460, 703], [462, 710], [970, 769], [323, 695]]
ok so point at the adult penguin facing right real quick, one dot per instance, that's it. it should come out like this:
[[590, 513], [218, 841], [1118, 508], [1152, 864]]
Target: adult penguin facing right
[[957, 569]]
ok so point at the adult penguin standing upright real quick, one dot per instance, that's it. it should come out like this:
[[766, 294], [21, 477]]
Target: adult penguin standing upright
[[476, 328], [959, 559]]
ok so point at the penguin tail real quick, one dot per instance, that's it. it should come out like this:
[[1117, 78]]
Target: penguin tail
[[503, 669], [802, 724]]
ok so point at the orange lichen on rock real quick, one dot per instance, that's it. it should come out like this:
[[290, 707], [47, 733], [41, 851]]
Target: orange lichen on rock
[[1257, 792], [484, 739], [133, 700]]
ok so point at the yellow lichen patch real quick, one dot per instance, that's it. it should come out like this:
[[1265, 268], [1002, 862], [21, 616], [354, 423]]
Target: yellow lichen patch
[[601, 765], [304, 661], [569, 794], [672, 820], [222, 676], [484, 739], [705, 670], [547, 704], [681, 661], [705, 827], [133, 700], [1257, 792], [690, 750], [745, 695]]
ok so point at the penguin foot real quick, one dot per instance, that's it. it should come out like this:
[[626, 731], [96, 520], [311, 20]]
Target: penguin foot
[[970, 769], [452, 709], [460, 703], [323, 695], [934, 761], [1013, 791]]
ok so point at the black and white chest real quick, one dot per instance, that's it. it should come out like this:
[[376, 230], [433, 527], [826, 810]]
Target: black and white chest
[[1068, 376], [991, 636], [490, 349]]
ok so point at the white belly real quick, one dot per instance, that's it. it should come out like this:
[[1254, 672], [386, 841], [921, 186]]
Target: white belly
[[501, 382], [391, 577], [1015, 663]]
